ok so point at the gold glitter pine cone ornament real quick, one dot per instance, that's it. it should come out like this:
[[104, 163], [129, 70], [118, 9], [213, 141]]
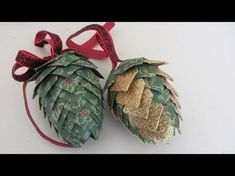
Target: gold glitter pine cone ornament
[[68, 87], [140, 95]]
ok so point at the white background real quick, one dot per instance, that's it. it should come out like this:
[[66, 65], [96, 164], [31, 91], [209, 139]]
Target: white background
[[201, 58]]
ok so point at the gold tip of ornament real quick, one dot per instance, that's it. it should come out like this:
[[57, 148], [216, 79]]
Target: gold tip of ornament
[[132, 97], [151, 123], [170, 87], [164, 74], [144, 107], [156, 62], [168, 136], [124, 80]]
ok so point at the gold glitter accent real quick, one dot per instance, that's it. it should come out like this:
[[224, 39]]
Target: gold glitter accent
[[164, 122], [124, 80], [169, 86], [151, 123], [164, 74], [155, 62], [158, 135], [132, 97], [143, 109], [175, 100], [168, 136]]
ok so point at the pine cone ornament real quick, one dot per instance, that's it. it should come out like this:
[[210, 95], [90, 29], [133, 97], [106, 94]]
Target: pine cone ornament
[[71, 97], [67, 85], [140, 95]]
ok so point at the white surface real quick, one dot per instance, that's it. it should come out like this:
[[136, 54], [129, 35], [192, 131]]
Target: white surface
[[201, 58]]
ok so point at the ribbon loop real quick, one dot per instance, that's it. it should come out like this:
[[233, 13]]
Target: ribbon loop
[[24, 76], [92, 42], [103, 38], [54, 41], [31, 61], [28, 60]]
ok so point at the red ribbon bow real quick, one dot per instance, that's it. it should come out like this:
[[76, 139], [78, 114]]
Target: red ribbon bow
[[102, 37], [31, 61]]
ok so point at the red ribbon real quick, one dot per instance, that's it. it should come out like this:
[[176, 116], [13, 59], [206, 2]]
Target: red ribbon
[[31, 61], [103, 38]]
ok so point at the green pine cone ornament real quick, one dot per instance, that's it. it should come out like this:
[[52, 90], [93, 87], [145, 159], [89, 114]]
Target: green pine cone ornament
[[140, 95], [71, 97]]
